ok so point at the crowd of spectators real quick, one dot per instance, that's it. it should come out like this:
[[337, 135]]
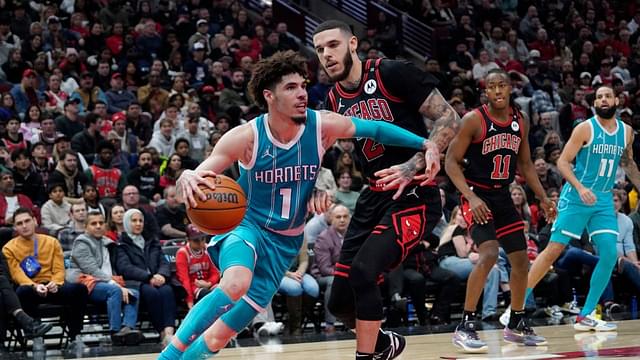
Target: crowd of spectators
[[104, 103]]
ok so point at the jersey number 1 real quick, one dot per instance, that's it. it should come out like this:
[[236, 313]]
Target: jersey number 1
[[286, 202], [501, 167], [372, 150]]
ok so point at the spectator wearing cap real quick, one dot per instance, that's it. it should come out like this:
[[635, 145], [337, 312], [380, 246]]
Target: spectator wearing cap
[[585, 82], [195, 68], [128, 141], [86, 141], [27, 180], [194, 269], [56, 211], [107, 179], [605, 76], [152, 97], [26, 92], [10, 200], [209, 101], [47, 135], [71, 65], [88, 94], [68, 174], [172, 216], [542, 43], [201, 35], [118, 98]]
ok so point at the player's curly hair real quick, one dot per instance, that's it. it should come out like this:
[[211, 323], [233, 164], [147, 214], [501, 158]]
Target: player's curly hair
[[269, 72]]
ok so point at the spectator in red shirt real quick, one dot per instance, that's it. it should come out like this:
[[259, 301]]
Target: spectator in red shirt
[[245, 49], [194, 267], [547, 48], [505, 61]]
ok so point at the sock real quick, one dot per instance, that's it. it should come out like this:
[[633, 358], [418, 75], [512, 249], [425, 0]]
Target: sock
[[606, 245], [515, 318], [363, 356], [527, 293], [203, 314], [468, 316], [383, 341], [198, 350], [171, 352]]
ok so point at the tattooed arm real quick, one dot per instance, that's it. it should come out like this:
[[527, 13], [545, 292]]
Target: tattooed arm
[[626, 161]]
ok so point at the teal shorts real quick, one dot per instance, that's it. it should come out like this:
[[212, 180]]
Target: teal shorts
[[273, 254], [574, 217]]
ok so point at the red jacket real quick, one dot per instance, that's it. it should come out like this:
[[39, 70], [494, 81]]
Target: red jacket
[[23, 201], [189, 268]]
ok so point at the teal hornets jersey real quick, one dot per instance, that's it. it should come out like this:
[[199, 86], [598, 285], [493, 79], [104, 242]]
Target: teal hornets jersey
[[280, 178], [597, 161]]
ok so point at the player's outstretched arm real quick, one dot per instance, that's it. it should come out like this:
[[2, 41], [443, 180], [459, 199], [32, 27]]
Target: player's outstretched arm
[[335, 126], [580, 136], [626, 161], [237, 144], [525, 165]]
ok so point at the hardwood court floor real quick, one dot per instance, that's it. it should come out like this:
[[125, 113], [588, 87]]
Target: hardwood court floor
[[564, 343]]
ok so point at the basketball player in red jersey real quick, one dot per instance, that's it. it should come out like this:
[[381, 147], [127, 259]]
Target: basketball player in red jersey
[[493, 141], [396, 211]]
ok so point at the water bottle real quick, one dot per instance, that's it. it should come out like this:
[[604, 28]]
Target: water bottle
[[598, 312], [634, 307], [574, 297], [411, 312]]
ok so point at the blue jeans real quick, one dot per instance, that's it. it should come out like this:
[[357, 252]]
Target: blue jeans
[[631, 272], [112, 295], [573, 259], [505, 269], [290, 287], [462, 268]]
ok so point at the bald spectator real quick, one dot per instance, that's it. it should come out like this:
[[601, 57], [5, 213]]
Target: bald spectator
[[327, 251], [506, 63]]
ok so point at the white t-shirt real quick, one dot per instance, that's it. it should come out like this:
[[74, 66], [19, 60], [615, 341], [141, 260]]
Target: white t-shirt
[[12, 206]]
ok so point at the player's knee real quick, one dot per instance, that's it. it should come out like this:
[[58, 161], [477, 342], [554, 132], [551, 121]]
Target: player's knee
[[235, 288], [488, 258], [607, 250], [361, 276], [215, 341]]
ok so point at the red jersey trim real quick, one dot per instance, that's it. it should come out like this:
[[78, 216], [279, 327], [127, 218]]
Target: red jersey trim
[[486, 111], [332, 100], [484, 128], [346, 95], [381, 85]]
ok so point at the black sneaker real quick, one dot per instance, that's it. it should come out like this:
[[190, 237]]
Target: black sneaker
[[37, 329], [395, 348]]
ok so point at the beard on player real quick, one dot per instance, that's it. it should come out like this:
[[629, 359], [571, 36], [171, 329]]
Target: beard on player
[[606, 111], [347, 63]]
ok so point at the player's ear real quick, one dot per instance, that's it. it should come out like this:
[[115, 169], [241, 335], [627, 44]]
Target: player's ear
[[353, 44], [268, 95]]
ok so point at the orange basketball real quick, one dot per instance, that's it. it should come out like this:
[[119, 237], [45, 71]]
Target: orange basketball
[[223, 208]]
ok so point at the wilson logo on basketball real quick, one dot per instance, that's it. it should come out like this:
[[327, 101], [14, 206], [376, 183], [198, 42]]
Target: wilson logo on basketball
[[223, 197]]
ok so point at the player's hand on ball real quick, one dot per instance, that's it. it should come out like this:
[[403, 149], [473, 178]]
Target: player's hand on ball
[[549, 208], [188, 188], [480, 210], [587, 196], [320, 202]]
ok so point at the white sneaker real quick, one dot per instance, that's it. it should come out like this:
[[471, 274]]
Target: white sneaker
[[571, 307], [506, 315], [589, 323]]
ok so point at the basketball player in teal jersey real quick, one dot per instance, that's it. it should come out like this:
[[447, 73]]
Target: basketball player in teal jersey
[[279, 155], [598, 145]]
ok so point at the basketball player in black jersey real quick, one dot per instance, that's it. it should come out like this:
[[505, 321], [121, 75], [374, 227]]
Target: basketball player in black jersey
[[493, 140], [397, 210]]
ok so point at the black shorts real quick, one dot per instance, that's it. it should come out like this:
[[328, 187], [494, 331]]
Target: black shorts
[[504, 225], [398, 225]]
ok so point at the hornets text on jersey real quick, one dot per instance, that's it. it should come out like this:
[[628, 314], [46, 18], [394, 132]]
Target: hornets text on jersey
[[280, 177]]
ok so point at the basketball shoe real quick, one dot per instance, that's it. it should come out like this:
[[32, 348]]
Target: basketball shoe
[[466, 338]]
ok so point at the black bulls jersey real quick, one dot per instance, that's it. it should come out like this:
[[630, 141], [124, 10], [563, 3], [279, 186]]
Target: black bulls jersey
[[492, 158], [390, 91]]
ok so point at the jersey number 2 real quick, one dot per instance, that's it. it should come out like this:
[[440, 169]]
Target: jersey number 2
[[501, 167], [372, 150]]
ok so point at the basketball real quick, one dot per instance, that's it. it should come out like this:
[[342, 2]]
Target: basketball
[[223, 208]]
